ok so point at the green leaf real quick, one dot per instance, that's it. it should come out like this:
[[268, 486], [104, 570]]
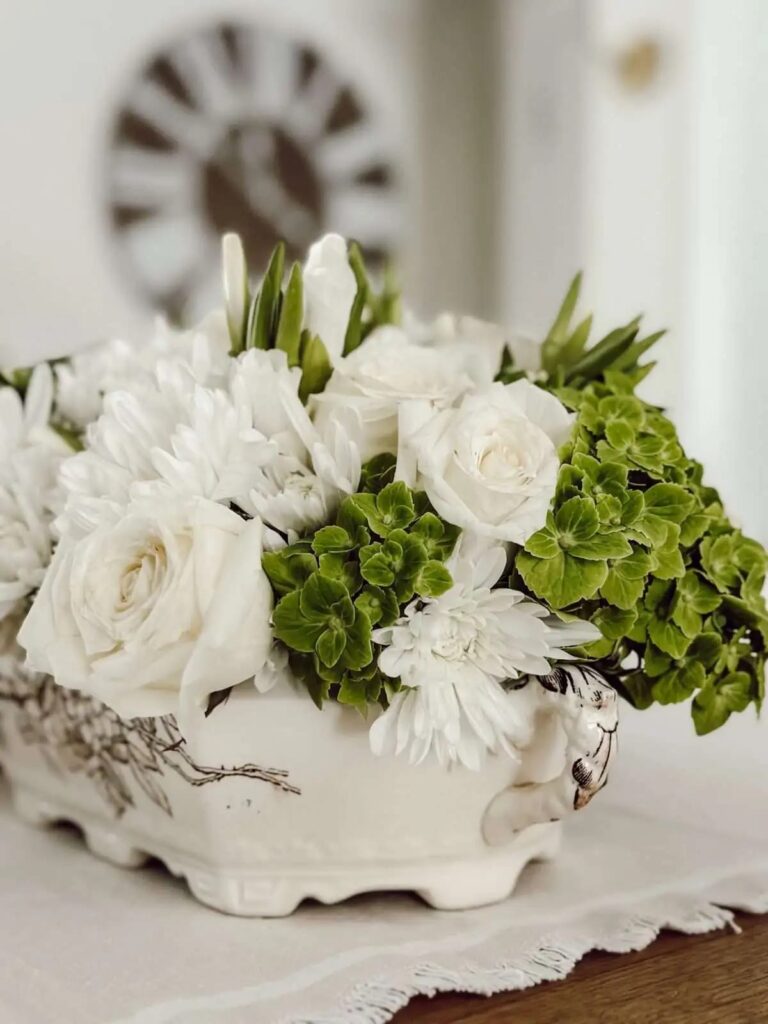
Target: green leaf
[[679, 684], [288, 337], [669, 502], [330, 539], [558, 333], [637, 689], [358, 651], [604, 353], [698, 594], [322, 598], [288, 570], [380, 606], [378, 472], [614, 623], [330, 646], [316, 368], [354, 334], [262, 319], [669, 563], [687, 619], [563, 580], [339, 567], [620, 589], [620, 435], [377, 569], [438, 536], [715, 703], [395, 506], [668, 637], [602, 546], [576, 521], [433, 579], [543, 543], [292, 627], [360, 689], [636, 351], [576, 343]]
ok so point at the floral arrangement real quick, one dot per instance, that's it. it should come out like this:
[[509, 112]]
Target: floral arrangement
[[312, 489]]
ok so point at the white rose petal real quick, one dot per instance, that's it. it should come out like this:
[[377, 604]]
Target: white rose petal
[[490, 465], [159, 607], [384, 372]]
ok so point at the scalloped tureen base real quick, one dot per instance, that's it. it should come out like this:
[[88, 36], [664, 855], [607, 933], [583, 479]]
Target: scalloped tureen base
[[328, 822]]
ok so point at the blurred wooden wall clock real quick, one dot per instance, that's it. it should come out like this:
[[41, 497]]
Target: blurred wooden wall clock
[[237, 126]]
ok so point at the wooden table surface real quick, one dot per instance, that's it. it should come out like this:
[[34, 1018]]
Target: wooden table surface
[[718, 978]]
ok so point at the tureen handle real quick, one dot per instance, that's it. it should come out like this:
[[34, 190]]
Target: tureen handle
[[588, 710]]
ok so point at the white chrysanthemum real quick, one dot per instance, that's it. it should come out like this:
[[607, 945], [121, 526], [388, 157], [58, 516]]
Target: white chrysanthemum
[[454, 652], [83, 380], [30, 454], [249, 443]]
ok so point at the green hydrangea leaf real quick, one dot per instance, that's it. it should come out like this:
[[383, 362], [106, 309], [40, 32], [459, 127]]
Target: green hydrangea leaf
[[669, 501], [544, 543], [706, 649], [562, 580], [679, 684], [341, 568], [358, 651], [637, 689], [438, 536], [619, 435], [292, 627], [697, 593], [380, 606], [378, 570], [378, 472], [331, 539], [656, 662], [330, 645], [288, 569], [323, 598], [715, 703], [718, 557], [602, 546], [687, 619], [433, 579], [615, 623], [669, 563], [623, 585], [668, 637], [395, 506], [576, 521]]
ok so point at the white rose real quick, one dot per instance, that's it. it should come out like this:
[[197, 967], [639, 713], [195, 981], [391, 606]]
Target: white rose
[[155, 609], [382, 374], [329, 291], [491, 464], [483, 344]]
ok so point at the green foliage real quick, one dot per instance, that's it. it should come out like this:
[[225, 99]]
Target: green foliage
[[333, 586], [274, 318], [637, 543], [370, 308]]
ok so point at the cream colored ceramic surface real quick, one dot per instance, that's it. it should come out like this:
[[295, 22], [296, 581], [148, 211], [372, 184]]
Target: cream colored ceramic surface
[[269, 800]]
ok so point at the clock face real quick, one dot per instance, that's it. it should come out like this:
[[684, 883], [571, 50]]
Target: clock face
[[237, 128]]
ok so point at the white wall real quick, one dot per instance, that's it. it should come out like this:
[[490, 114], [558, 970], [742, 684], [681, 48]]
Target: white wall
[[660, 196]]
